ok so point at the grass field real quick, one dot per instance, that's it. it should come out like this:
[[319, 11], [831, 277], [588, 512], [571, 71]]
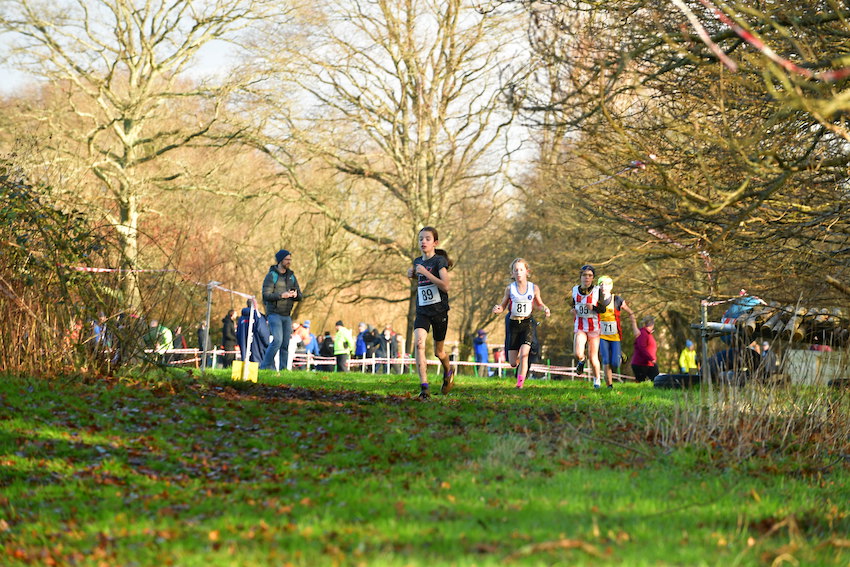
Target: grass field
[[323, 469]]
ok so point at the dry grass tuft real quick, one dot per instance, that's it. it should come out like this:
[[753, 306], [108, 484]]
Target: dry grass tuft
[[811, 423]]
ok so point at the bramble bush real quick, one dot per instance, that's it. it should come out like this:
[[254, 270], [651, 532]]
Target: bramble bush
[[44, 302], [49, 305]]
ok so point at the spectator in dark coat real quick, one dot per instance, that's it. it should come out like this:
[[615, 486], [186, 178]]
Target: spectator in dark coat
[[228, 338], [387, 348], [769, 362], [326, 350], [203, 335], [280, 292], [260, 335], [178, 342]]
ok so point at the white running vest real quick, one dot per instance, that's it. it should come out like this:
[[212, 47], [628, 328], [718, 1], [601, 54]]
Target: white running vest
[[522, 304]]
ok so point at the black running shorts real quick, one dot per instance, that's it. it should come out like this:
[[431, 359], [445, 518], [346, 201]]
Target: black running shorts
[[439, 322]]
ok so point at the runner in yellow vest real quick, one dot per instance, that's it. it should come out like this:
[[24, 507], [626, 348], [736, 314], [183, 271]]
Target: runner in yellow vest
[[611, 332]]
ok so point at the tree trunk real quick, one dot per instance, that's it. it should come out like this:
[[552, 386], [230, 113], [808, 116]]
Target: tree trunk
[[128, 238]]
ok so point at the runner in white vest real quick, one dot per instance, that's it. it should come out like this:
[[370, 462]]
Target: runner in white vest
[[521, 296]]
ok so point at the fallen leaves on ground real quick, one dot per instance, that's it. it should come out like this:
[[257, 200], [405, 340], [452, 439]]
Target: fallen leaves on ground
[[556, 545]]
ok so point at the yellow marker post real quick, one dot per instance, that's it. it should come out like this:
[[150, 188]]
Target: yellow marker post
[[237, 374]]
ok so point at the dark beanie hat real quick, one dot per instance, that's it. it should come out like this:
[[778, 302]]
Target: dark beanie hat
[[281, 254], [339, 323]]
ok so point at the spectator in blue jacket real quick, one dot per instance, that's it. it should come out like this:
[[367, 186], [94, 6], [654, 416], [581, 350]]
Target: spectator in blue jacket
[[360, 344], [261, 335], [311, 347], [482, 354]]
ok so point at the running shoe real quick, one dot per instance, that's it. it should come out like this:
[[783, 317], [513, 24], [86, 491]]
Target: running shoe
[[580, 367], [597, 383], [448, 381], [520, 381], [424, 392]]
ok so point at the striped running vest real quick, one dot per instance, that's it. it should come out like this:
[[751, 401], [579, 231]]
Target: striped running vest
[[587, 319]]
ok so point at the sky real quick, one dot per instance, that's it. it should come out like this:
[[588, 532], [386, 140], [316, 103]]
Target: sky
[[209, 58], [10, 80]]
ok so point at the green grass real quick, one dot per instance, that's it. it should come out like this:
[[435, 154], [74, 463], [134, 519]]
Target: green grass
[[323, 469]]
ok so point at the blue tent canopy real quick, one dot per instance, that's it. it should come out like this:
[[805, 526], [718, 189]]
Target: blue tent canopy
[[739, 307]]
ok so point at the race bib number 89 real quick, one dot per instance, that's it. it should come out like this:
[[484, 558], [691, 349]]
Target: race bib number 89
[[429, 294]]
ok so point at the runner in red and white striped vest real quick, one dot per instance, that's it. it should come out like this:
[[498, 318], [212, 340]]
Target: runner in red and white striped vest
[[584, 298], [587, 319]]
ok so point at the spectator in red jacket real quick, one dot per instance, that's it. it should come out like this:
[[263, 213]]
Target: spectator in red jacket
[[644, 362]]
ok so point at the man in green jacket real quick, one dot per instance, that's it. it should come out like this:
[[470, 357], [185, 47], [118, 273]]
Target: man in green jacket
[[280, 292], [343, 343], [160, 339]]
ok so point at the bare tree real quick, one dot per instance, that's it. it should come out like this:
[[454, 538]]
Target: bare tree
[[402, 109], [718, 130], [124, 107]]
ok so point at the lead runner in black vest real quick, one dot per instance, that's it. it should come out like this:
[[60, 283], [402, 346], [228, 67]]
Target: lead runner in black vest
[[432, 308]]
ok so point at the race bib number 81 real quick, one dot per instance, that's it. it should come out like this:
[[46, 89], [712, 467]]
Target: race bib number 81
[[521, 309]]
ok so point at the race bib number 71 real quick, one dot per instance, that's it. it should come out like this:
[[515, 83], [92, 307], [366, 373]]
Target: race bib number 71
[[608, 327]]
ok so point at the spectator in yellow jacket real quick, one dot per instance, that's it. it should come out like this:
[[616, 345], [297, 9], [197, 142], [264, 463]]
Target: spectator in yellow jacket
[[343, 343], [688, 358]]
